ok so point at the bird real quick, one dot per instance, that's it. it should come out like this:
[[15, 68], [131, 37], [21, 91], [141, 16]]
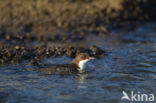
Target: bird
[[78, 65]]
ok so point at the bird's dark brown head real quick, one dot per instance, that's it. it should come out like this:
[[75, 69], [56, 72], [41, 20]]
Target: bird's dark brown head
[[81, 59], [82, 56]]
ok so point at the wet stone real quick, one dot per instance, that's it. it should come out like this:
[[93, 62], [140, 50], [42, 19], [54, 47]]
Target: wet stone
[[96, 50], [34, 63], [17, 54]]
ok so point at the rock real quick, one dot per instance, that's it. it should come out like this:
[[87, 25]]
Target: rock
[[98, 52], [34, 63]]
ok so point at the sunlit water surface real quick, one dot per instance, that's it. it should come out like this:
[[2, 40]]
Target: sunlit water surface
[[129, 66]]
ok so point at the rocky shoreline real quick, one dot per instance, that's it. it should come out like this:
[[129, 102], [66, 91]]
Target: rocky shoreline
[[50, 21], [17, 54]]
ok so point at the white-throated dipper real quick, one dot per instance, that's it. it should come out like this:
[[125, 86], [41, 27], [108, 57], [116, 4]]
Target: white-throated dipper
[[78, 65]]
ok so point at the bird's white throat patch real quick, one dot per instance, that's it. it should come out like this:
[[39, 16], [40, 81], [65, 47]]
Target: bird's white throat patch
[[82, 64]]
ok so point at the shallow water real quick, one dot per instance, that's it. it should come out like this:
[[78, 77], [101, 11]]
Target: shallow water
[[129, 66]]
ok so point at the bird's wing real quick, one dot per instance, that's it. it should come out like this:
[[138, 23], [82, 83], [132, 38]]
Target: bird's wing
[[58, 69]]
